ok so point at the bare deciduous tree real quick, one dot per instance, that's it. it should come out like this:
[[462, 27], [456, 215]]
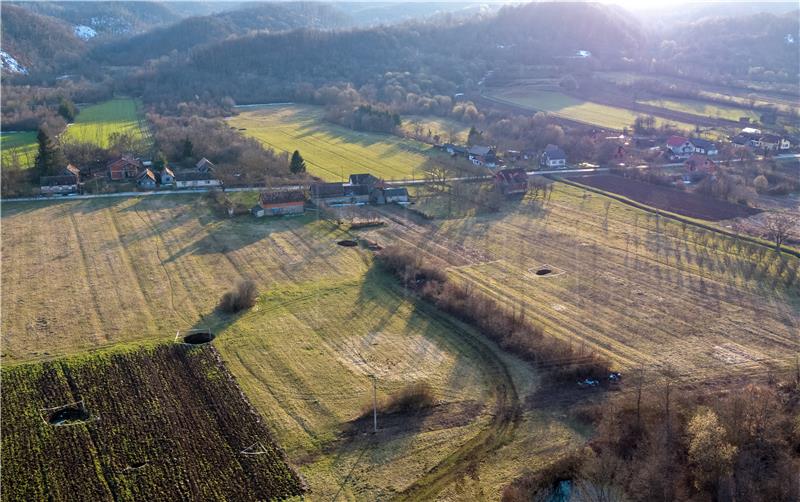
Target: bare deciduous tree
[[778, 225]]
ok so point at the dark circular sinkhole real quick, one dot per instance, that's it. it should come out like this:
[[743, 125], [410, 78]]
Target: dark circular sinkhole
[[68, 415], [544, 271], [198, 338], [348, 243]]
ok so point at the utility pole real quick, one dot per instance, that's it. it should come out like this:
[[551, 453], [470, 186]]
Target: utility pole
[[374, 404]]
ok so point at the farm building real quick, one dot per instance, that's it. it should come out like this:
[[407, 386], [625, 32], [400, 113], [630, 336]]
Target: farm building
[[768, 142], [699, 163], [482, 155], [680, 146], [389, 195], [70, 169], [454, 150], [125, 167], [204, 166], [553, 157], [704, 147], [62, 184], [192, 179], [167, 176], [278, 202], [338, 194], [146, 179], [512, 182]]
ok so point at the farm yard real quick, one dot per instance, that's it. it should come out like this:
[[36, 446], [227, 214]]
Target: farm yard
[[18, 148], [136, 425], [331, 151], [578, 110], [96, 123], [667, 198], [640, 289]]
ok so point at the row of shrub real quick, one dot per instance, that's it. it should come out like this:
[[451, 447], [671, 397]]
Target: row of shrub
[[512, 330]]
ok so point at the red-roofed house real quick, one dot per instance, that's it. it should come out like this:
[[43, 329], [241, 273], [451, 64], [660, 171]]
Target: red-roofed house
[[700, 163], [123, 168], [680, 146]]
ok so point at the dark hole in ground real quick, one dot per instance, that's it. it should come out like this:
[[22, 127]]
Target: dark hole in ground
[[68, 415], [347, 243], [544, 271], [137, 465], [198, 338]]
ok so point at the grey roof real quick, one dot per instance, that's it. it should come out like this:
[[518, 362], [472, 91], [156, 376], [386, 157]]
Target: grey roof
[[61, 180], [396, 192], [554, 153], [703, 143], [282, 196], [480, 150]]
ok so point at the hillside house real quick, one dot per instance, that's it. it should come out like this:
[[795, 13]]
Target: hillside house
[[680, 146], [511, 182], [204, 166], [167, 176], [704, 147], [553, 157], [482, 155], [70, 169], [768, 142], [786, 143], [193, 179], [146, 179], [454, 150], [699, 163], [389, 195], [338, 194], [125, 167], [63, 184], [280, 202]]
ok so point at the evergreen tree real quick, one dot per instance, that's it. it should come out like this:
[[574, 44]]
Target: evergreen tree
[[188, 148], [50, 159], [67, 110], [474, 137], [297, 164]]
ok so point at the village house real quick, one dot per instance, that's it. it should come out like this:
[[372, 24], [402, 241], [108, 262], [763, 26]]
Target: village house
[[125, 167], [454, 150], [553, 157], [482, 155], [680, 146], [511, 182], [167, 176], [193, 179], [280, 202], [70, 169], [146, 179], [204, 166], [704, 147], [389, 195], [699, 163], [768, 142], [338, 194], [61, 184]]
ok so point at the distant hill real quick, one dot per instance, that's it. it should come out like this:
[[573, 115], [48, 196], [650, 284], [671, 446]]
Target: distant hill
[[195, 32], [38, 43]]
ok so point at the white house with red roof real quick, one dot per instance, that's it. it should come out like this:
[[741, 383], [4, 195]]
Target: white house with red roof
[[680, 146]]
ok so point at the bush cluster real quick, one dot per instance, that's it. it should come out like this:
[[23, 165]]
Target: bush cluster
[[243, 296]]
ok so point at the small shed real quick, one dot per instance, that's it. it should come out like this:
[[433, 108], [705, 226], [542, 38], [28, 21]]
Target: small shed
[[279, 202]]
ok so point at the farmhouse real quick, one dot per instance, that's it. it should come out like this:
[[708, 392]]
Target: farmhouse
[[553, 157], [389, 195], [338, 194], [204, 166], [193, 179], [699, 163], [146, 179], [59, 185], [278, 202], [680, 146], [704, 147], [125, 167], [512, 182], [768, 142], [167, 176], [482, 155]]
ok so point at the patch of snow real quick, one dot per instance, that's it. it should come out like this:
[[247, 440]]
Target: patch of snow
[[789, 38], [582, 54], [84, 32], [7, 62]]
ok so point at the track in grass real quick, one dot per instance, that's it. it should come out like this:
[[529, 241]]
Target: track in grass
[[166, 423], [332, 152]]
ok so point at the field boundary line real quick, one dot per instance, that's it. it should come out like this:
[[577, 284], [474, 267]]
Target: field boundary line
[[677, 217]]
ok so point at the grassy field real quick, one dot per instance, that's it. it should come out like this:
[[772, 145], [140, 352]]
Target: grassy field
[[333, 152], [21, 145], [133, 272], [703, 109], [447, 130], [96, 123], [570, 108]]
